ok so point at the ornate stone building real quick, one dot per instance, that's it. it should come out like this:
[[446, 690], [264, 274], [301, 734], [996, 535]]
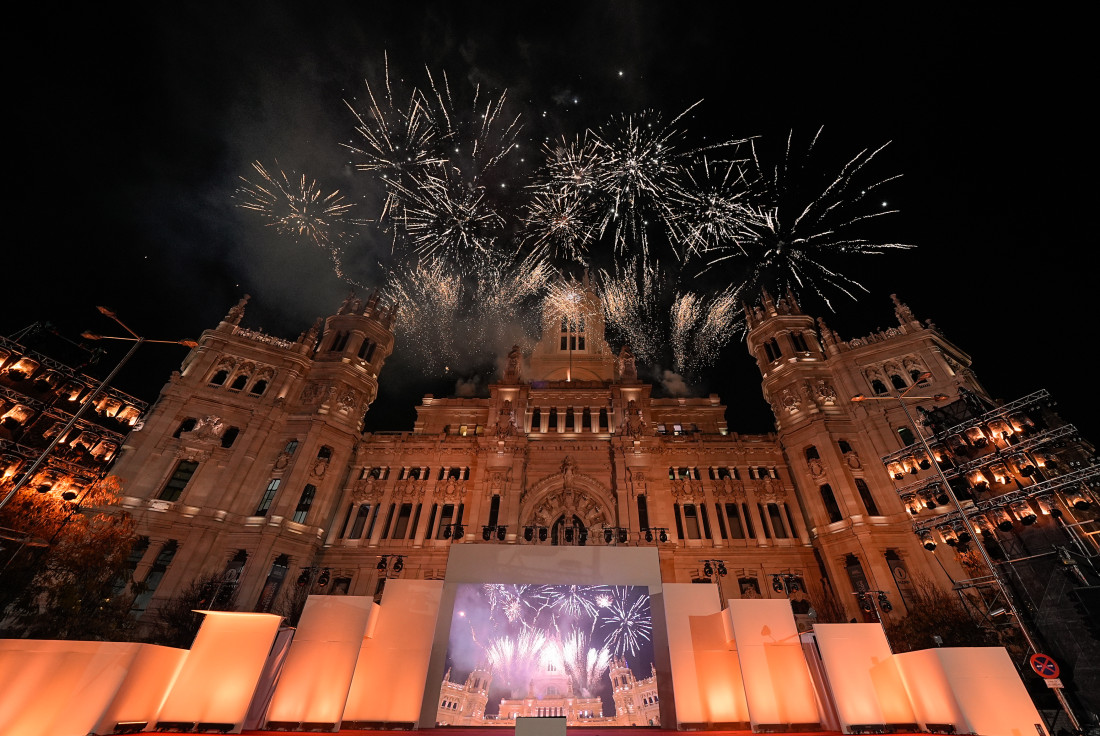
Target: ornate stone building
[[253, 464]]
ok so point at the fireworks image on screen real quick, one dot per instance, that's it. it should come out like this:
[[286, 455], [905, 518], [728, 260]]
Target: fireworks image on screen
[[583, 652]]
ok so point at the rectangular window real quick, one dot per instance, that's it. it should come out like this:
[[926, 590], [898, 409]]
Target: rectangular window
[[347, 520], [866, 497], [721, 521], [360, 522], [643, 513], [777, 521], [156, 574], [181, 476], [446, 517], [269, 496], [691, 521], [494, 510], [747, 518], [737, 531], [679, 521], [304, 503], [389, 522], [706, 521], [402, 526]]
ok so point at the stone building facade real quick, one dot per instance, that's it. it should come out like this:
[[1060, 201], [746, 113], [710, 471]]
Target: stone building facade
[[253, 463]]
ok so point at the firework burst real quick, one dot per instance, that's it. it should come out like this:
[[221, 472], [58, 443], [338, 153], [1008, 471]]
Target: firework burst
[[626, 623], [585, 665], [791, 235]]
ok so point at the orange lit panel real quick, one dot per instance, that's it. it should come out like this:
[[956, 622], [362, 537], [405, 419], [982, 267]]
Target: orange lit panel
[[59, 687], [777, 681], [316, 677], [222, 670], [392, 668], [705, 668], [148, 680], [975, 688], [863, 677]]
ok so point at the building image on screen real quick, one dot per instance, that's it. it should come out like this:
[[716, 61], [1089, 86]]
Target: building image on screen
[[582, 652]]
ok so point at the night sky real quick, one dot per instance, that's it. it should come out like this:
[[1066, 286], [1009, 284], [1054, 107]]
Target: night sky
[[134, 125]]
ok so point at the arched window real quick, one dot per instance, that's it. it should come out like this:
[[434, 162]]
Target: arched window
[[258, 388], [239, 383], [536, 420], [898, 381], [812, 454], [219, 378], [878, 387]]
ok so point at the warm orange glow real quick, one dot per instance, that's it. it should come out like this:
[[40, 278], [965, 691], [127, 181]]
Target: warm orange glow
[[866, 684], [974, 688], [704, 663], [391, 672], [316, 677], [222, 670], [777, 681]]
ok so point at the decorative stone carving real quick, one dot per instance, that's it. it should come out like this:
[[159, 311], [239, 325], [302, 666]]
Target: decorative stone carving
[[319, 468], [628, 370], [506, 421], [367, 490], [282, 460], [511, 373], [236, 313], [825, 393], [568, 469], [852, 458], [790, 401], [817, 468], [731, 489], [634, 426], [312, 392], [207, 429], [347, 400], [450, 490]]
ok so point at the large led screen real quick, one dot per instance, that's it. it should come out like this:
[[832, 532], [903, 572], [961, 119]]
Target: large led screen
[[583, 652]]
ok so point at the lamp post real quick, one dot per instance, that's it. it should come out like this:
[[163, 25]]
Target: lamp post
[[1006, 594], [137, 341]]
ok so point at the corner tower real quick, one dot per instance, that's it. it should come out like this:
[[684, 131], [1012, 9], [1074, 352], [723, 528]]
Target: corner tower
[[237, 468]]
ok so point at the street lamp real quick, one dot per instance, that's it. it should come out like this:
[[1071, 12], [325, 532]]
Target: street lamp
[[967, 525], [90, 400]]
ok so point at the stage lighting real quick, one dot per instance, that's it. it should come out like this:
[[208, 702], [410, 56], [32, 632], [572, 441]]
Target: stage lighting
[[447, 532], [884, 603], [708, 570], [622, 536], [649, 535], [542, 534], [777, 584], [382, 564], [664, 536], [325, 577], [528, 533], [569, 534], [303, 577], [459, 531], [502, 531], [486, 533], [721, 568], [608, 533], [399, 565]]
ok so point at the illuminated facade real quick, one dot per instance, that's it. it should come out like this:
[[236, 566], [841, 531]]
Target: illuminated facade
[[253, 463], [39, 396]]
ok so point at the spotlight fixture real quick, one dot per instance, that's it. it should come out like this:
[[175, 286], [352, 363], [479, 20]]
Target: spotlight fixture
[[707, 569], [399, 565], [622, 535], [303, 576], [502, 531], [459, 531], [447, 532], [381, 564], [325, 576], [664, 536], [721, 567], [569, 534], [777, 584], [542, 534], [608, 534], [884, 602], [486, 533], [649, 535], [69, 495]]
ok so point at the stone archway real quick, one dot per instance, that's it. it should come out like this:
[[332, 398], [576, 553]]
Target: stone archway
[[568, 498]]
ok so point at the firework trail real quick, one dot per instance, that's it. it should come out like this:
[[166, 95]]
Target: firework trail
[[515, 659], [300, 210], [710, 211], [700, 326], [791, 234], [626, 623], [631, 297], [585, 665]]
